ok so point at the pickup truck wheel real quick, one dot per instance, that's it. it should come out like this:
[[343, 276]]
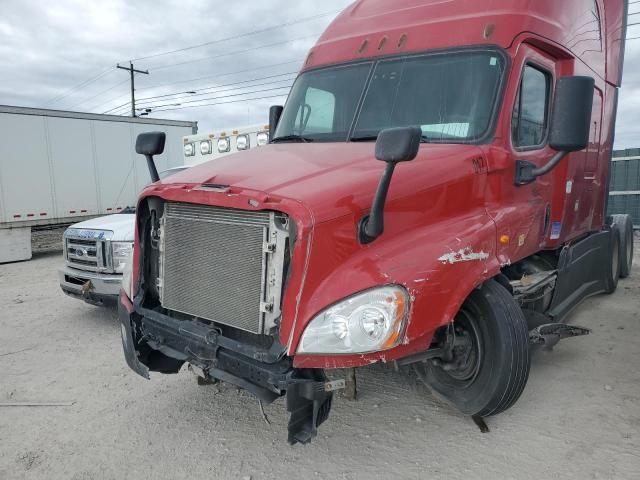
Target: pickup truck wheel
[[489, 365], [625, 227], [612, 270]]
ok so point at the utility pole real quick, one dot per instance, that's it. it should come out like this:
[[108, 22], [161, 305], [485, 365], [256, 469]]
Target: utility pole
[[132, 72]]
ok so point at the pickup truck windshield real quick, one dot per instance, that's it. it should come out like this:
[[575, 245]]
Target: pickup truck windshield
[[451, 96]]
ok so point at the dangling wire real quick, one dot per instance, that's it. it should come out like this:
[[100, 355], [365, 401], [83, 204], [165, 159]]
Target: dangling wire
[[264, 415]]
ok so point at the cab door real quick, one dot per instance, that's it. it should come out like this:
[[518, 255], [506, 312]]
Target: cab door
[[522, 213]]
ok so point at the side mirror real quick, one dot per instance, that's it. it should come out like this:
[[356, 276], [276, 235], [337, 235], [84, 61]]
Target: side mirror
[[150, 144], [571, 114], [570, 125], [393, 146], [275, 112], [398, 144]]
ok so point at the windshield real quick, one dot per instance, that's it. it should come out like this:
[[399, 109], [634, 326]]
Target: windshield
[[451, 96]]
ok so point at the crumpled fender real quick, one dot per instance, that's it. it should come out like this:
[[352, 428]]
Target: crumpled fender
[[439, 264]]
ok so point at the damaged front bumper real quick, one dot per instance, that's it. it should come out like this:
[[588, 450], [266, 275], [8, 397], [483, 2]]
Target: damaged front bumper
[[153, 341]]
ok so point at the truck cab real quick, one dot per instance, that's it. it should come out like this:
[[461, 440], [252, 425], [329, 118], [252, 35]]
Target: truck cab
[[430, 199]]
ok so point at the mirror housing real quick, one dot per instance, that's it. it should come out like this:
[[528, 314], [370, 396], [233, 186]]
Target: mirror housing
[[150, 144], [571, 114], [570, 125], [394, 145], [275, 112], [398, 144]]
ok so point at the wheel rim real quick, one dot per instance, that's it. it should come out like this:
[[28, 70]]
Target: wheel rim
[[467, 353], [630, 248]]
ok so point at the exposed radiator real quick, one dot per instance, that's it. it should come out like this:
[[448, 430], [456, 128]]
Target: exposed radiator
[[216, 262]]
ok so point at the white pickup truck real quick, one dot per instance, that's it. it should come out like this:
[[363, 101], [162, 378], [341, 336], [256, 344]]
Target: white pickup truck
[[96, 252]]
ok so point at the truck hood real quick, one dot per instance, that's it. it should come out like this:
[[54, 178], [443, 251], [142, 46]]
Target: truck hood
[[331, 179], [122, 225]]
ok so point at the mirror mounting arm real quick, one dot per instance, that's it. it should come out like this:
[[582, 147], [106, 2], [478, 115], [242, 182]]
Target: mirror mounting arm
[[372, 225], [153, 171], [527, 172]]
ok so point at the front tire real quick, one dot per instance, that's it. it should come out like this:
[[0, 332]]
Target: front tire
[[488, 374]]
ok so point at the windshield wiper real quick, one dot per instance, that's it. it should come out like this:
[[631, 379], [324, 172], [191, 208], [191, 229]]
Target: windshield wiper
[[364, 138], [292, 138], [373, 138]]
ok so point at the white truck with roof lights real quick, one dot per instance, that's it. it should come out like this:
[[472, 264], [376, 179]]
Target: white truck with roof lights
[[209, 146]]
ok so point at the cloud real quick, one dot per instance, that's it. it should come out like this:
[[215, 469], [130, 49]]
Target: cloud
[[69, 41], [48, 47]]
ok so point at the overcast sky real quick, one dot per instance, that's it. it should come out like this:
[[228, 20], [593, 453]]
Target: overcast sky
[[46, 48]]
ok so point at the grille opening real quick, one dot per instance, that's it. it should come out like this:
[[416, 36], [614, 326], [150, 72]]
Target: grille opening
[[218, 264], [88, 263], [79, 241], [74, 280]]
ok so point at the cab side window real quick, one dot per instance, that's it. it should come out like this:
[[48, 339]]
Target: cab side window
[[530, 115]]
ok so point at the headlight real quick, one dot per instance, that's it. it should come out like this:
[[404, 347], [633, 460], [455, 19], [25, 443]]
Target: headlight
[[121, 254], [243, 142], [189, 150], [263, 138], [127, 279], [205, 147], [370, 321], [224, 145]]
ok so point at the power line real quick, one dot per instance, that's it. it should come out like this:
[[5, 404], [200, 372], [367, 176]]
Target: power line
[[223, 96], [238, 52], [235, 37], [77, 87], [208, 77], [220, 103], [194, 94], [246, 34], [99, 93]]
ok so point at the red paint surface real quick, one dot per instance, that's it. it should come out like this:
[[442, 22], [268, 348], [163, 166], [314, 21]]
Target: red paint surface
[[451, 197]]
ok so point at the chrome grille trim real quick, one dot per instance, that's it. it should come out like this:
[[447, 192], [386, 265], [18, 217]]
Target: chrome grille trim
[[88, 250], [223, 265]]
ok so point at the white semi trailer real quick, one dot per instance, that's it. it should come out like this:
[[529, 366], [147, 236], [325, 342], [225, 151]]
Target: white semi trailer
[[59, 167]]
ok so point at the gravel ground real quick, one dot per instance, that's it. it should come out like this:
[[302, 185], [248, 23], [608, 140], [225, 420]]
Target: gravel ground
[[578, 418]]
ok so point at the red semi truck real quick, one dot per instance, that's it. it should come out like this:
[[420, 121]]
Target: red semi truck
[[480, 229]]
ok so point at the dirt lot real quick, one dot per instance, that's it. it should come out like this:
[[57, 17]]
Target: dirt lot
[[578, 418]]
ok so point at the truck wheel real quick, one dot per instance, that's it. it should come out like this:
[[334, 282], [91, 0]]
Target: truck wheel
[[612, 273], [489, 367], [625, 227]]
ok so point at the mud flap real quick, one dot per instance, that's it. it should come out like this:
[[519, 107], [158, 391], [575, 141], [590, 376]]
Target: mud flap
[[550, 334], [309, 403]]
